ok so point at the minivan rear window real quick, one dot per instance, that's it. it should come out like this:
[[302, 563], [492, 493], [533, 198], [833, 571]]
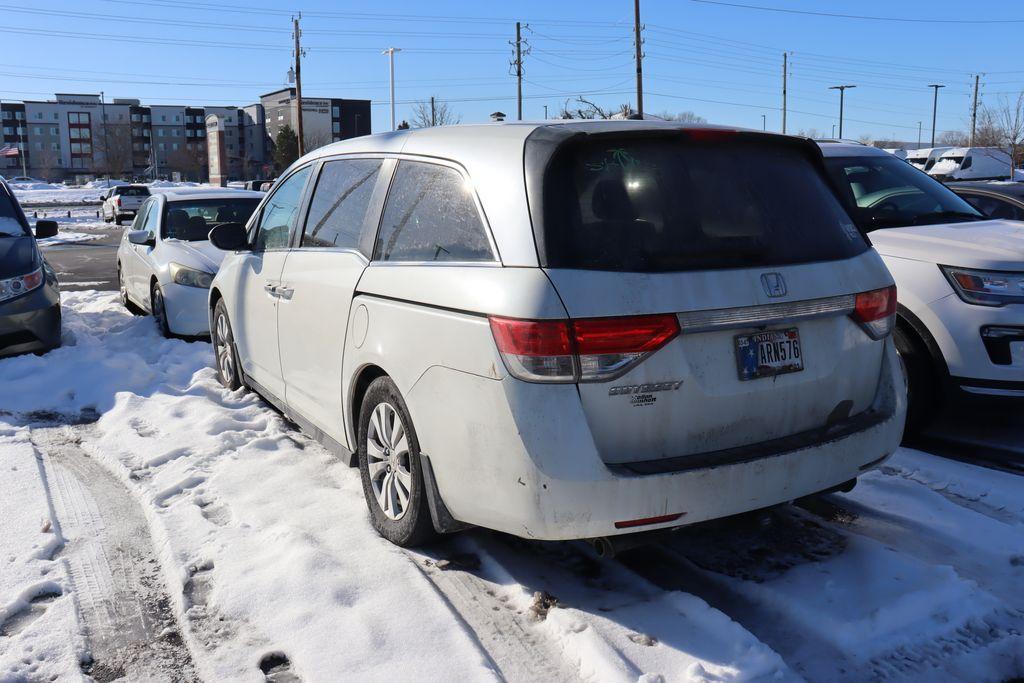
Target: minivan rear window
[[655, 204]]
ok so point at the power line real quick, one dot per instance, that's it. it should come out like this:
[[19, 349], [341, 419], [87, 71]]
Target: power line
[[912, 20]]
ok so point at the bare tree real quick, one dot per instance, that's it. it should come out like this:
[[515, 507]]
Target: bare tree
[[682, 117], [1008, 119], [438, 113], [46, 161], [586, 109], [191, 163], [315, 139], [112, 144]]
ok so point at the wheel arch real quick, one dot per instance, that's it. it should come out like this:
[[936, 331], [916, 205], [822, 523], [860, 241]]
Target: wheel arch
[[364, 377], [912, 325]]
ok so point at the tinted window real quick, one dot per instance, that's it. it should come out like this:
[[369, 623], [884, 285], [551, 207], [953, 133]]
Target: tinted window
[[339, 204], [141, 217], [886, 193], [10, 220], [431, 216], [666, 204], [193, 220], [280, 212], [994, 208], [131, 191]]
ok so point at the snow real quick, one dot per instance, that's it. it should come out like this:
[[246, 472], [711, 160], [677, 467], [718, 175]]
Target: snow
[[37, 194], [265, 547], [31, 580]]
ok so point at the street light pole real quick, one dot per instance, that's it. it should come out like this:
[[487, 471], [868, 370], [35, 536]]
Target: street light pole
[[390, 52], [842, 92], [919, 135], [935, 107], [764, 122], [106, 144]]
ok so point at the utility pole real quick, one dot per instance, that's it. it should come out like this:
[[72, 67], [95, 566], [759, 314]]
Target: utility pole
[[545, 112], [390, 52], [519, 73], [433, 113], [639, 60], [935, 107], [297, 33], [919, 135], [785, 76], [974, 110], [842, 92], [764, 122]]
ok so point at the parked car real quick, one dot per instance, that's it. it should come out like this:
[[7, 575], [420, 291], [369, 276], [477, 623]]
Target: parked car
[[123, 201], [165, 263], [258, 185], [29, 292], [971, 163], [24, 179], [566, 330], [960, 319], [994, 199], [923, 159]]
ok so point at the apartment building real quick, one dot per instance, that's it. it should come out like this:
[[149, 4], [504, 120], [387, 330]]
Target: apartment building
[[78, 136]]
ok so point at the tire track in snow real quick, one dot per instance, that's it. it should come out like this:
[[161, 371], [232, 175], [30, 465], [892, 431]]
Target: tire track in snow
[[115, 578]]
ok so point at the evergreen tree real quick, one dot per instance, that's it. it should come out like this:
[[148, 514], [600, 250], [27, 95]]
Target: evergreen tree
[[286, 148]]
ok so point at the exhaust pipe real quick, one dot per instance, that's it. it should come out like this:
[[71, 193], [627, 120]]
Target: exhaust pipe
[[607, 547]]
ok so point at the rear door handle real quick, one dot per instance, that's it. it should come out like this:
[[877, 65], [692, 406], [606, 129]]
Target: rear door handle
[[270, 289], [284, 292]]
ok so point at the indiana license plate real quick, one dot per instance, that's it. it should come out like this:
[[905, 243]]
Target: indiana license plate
[[767, 354]]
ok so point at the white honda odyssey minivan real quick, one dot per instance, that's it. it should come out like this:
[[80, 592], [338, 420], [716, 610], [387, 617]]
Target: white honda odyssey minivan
[[566, 330]]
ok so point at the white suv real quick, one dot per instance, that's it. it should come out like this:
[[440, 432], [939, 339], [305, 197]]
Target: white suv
[[960, 277], [566, 330]]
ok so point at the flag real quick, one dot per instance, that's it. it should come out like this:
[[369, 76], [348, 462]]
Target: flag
[[9, 151]]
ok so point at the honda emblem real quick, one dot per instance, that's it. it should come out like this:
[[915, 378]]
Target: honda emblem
[[774, 285]]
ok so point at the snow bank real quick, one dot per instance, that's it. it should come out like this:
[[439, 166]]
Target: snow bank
[[263, 535]]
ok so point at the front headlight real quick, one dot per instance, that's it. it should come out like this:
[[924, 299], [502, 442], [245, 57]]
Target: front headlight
[[986, 287], [190, 277], [16, 286]]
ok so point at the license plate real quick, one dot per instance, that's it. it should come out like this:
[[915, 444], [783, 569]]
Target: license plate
[[767, 354]]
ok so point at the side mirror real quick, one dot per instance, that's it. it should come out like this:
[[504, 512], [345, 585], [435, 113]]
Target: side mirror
[[229, 237], [141, 237], [46, 229]]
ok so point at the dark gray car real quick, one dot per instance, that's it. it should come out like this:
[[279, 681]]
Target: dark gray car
[[29, 293], [994, 199]]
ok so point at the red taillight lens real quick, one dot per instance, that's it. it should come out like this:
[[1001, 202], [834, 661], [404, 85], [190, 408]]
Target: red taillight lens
[[591, 349], [710, 134], [535, 350], [607, 347], [876, 311]]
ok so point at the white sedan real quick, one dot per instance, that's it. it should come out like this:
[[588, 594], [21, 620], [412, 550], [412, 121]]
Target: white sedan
[[165, 262]]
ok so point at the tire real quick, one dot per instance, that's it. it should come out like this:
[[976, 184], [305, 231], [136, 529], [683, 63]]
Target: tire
[[117, 219], [225, 352], [159, 307], [389, 448], [123, 288], [922, 382]]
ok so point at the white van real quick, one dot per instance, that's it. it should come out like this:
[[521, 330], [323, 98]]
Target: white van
[[566, 330], [972, 163], [924, 158]]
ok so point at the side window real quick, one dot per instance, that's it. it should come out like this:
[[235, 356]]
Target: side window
[[340, 201], [151, 219], [280, 212], [992, 207], [431, 216]]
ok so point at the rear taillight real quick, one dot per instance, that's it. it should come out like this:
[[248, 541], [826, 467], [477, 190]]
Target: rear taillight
[[876, 311], [588, 350], [117, 200]]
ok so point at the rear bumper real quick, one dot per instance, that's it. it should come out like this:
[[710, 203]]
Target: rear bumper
[[31, 322], [520, 459]]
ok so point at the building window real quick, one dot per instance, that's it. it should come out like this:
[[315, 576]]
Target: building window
[[55, 146], [160, 146], [336, 112], [6, 115], [201, 133], [55, 116], [280, 117], [160, 132], [145, 132], [336, 127], [54, 130], [37, 131], [190, 133], [76, 162], [76, 147], [86, 148], [145, 118], [8, 130], [163, 117], [145, 146], [19, 115], [136, 147], [177, 118], [73, 117], [136, 118], [39, 114]]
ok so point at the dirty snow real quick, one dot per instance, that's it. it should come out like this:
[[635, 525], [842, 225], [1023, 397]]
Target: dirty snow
[[265, 549]]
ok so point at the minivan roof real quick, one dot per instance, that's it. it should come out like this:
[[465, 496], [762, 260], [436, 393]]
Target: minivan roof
[[845, 149]]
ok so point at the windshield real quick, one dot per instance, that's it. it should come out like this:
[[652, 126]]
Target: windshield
[[888, 193], [192, 221], [10, 220], [668, 204]]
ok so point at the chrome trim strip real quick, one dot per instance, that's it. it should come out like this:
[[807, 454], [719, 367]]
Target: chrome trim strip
[[764, 314]]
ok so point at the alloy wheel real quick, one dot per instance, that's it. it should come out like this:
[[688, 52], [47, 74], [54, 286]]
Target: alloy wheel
[[222, 347], [122, 286], [388, 461], [159, 311]]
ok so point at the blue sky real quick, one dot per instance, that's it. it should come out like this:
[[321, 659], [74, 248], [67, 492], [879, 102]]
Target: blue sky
[[721, 62]]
